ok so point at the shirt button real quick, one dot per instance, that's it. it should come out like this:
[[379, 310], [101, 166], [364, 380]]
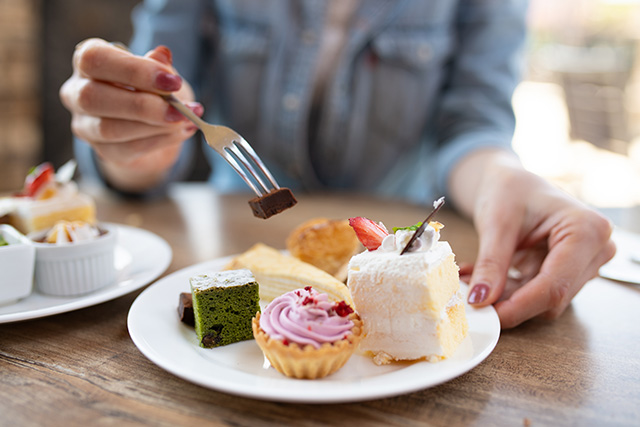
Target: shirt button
[[291, 101]]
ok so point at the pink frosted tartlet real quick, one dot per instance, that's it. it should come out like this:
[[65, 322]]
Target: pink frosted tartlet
[[304, 335]]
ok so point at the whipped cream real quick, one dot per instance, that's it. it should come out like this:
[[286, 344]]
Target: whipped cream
[[397, 241], [305, 316], [71, 232]]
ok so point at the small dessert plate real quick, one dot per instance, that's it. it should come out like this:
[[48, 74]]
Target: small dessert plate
[[140, 257], [17, 259], [625, 265], [240, 368]]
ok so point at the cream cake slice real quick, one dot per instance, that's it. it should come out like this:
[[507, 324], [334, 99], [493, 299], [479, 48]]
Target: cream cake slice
[[68, 204], [410, 305], [46, 198]]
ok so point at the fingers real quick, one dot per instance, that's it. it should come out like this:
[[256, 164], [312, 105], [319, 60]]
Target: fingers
[[108, 112], [105, 130], [98, 60], [497, 246], [113, 98], [104, 100], [577, 250], [157, 146]]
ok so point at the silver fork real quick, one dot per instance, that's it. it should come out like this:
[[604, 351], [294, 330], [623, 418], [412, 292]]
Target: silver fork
[[233, 148]]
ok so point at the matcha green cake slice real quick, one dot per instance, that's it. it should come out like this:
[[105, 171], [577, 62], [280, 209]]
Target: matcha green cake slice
[[223, 305]]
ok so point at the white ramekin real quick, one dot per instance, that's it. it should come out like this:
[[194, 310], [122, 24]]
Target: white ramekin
[[72, 269], [16, 265]]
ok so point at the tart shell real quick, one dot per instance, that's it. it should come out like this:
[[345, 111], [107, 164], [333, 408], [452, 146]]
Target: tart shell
[[307, 362]]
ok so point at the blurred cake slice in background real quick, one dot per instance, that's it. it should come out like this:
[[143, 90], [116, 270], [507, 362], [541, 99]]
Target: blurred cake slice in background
[[45, 199]]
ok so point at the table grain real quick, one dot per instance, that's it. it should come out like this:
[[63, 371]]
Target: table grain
[[81, 367]]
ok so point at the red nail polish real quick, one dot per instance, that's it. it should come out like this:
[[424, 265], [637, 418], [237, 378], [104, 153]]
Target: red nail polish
[[173, 115], [167, 82], [478, 293], [196, 107]]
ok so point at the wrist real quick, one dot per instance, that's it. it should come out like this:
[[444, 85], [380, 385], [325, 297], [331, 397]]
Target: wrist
[[478, 171], [139, 176]]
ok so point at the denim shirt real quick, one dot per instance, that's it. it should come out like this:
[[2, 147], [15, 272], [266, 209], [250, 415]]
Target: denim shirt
[[418, 85]]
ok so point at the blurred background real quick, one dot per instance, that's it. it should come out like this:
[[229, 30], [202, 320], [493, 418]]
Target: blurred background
[[578, 108]]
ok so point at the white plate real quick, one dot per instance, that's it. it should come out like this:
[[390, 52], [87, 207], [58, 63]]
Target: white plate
[[140, 257], [239, 368], [625, 265]]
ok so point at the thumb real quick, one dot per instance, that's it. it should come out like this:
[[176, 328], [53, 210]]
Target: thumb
[[496, 249]]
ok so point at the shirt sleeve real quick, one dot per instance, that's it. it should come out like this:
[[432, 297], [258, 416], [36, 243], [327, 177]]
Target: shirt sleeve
[[475, 111], [177, 25]]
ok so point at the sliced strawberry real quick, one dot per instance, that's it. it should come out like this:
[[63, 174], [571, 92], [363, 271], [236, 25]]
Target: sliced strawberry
[[369, 233], [37, 178]]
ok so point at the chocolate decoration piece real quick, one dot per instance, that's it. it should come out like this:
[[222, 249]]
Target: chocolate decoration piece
[[185, 309], [436, 207], [272, 203]]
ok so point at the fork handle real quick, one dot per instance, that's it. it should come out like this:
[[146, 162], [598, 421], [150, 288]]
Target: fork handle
[[186, 111]]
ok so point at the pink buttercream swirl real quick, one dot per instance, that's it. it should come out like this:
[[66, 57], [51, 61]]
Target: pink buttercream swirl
[[305, 316]]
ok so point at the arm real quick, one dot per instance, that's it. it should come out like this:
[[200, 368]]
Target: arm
[[555, 243], [475, 112]]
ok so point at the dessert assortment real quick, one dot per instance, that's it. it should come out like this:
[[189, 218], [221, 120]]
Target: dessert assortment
[[402, 299], [72, 255], [71, 232], [74, 258]]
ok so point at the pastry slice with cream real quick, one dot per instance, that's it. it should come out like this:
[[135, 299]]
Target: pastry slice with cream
[[411, 304], [278, 273], [44, 201]]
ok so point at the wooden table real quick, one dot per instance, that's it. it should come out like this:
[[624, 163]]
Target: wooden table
[[81, 367]]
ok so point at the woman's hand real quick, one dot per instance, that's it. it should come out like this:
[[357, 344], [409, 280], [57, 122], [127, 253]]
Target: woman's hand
[[112, 96], [538, 246]]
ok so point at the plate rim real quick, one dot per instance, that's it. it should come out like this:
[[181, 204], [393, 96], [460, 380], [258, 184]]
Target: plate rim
[[280, 394], [622, 267], [105, 294]]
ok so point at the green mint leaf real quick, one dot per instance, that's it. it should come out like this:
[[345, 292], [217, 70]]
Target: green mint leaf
[[410, 228]]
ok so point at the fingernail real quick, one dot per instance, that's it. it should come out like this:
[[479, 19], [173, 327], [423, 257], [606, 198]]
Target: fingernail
[[196, 107], [168, 82], [478, 293], [192, 128], [174, 115], [163, 54]]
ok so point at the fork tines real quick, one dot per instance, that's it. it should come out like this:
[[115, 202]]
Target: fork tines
[[242, 157]]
